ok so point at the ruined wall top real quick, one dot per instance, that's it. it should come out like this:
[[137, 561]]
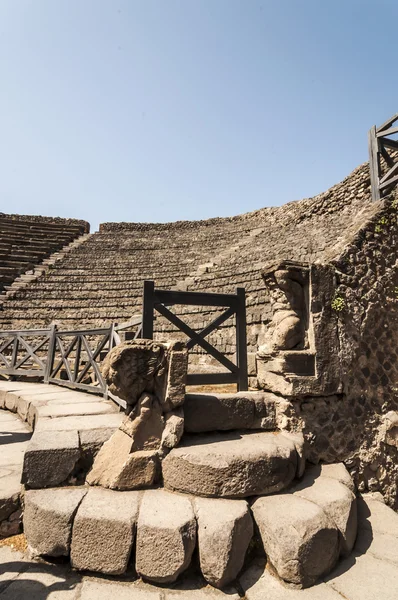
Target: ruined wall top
[[38, 219], [353, 195]]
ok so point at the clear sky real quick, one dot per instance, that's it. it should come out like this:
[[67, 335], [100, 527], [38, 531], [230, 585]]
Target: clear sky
[[159, 110]]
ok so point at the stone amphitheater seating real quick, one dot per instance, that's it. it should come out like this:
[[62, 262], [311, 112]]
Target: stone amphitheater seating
[[26, 241], [101, 280]]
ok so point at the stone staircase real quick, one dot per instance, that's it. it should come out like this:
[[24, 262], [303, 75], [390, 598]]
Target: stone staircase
[[224, 491]]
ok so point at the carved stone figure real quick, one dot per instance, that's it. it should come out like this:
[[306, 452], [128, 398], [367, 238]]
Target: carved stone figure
[[150, 376]]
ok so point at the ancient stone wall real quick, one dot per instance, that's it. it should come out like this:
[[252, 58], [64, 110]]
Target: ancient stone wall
[[358, 425]]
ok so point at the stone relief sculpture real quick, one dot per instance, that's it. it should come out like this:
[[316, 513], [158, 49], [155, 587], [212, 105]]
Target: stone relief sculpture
[[286, 285], [150, 376]]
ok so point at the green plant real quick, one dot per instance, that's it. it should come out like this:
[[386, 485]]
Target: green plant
[[380, 224], [338, 303], [396, 291]]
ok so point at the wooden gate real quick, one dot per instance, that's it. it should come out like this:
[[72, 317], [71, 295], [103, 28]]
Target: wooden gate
[[235, 304]]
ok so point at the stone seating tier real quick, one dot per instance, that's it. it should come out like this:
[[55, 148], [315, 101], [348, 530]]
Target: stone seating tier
[[26, 241], [101, 280]]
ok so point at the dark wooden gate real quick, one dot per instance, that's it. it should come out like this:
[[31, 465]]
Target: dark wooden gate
[[235, 304]]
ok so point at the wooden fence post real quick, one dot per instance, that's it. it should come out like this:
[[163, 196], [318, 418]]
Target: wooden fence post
[[50, 353], [241, 342], [147, 310]]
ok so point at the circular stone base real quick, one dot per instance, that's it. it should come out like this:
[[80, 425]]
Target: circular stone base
[[231, 465]]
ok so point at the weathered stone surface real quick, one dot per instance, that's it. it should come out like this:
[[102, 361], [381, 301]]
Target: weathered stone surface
[[231, 464], [336, 471], [337, 501], [391, 424], [173, 429], [131, 368], [50, 458], [377, 516], [118, 468], [225, 528], [299, 444], [258, 584], [104, 531], [176, 377], [365, 578], [109, 590], [48, 518], [241, 410], [300, 541], [144, 424], [166, 536]]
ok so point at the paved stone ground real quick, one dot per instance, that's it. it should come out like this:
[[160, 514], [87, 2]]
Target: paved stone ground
[[14, 438], [370, 573]]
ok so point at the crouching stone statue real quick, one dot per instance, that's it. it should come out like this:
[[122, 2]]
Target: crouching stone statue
[[150, 376]]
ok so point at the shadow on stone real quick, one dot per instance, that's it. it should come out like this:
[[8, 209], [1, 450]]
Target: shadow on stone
[[8, 437]]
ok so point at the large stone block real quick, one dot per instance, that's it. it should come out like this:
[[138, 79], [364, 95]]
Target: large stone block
[[225, 528], [231, 464], [104, 530], [50, 458], [48, 519], [222, 412], [166, 536], [338, 502], [117, 468], [300, 541]]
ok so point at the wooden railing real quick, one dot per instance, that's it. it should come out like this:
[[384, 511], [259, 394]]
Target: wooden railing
[[235, 305], [24, 351], [383, 173], [72, 358], [67, 358]]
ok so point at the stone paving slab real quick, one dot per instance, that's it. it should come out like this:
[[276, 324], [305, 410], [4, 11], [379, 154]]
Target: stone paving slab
[[14, 439]]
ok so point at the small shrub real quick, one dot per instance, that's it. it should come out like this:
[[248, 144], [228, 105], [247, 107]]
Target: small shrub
[[338, 303]]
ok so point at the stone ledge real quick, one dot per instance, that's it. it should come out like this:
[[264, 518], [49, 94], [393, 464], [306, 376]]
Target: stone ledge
[[59, 415]]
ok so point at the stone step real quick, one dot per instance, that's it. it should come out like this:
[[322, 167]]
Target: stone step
[[157, 531], [232, 464], [305, 530], [222, 412]]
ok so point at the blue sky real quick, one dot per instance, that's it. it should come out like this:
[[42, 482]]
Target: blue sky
[[126, 110]]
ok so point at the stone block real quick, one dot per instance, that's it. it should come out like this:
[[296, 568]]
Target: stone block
[[231, 465], [228, 411], [166, 536], [50, 458], [225, 528], [300, 541], [337, 471], [48, 518], [174, 428], [144, 424], [116, 467], [337, 501], [176, 379], [104, 530]]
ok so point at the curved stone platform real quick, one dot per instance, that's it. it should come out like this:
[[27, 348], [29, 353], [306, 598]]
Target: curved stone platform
[[69, 429], [14, 439], [157, 531], [233, 464]]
